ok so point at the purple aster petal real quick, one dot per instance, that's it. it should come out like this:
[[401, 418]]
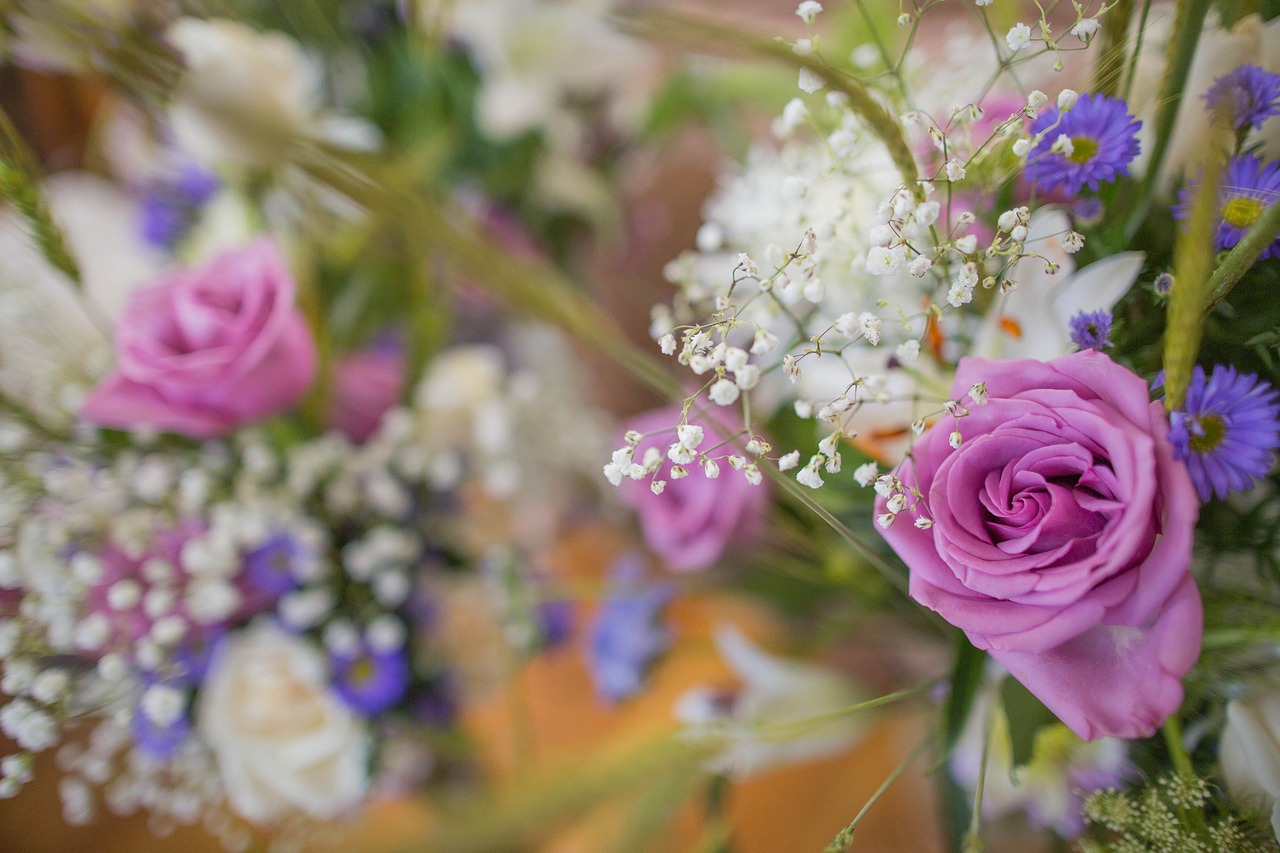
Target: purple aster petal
[[371, 681], [1105, 140], [1249, 186], [1090, 330], [1245, 97], [1226, 431]]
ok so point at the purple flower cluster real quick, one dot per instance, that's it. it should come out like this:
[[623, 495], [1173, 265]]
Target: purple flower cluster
[[1090, 330], [1226, 431], [168, 209], [1245, 97], [1104, 141]]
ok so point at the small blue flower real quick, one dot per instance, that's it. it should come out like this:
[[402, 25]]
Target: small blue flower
[[1249, 186], [370, 681], [156, 741], [273, 567], [1226, 431], [1245, 97], [1090, 330], [627, 634], [168, 209], [1104, 141]]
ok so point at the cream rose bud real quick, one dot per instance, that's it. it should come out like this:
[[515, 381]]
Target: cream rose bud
[[283, 741], [1250, 753]]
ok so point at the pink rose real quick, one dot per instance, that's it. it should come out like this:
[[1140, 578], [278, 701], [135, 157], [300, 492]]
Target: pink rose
[[208, 349], [691, 523], [1061, 538]]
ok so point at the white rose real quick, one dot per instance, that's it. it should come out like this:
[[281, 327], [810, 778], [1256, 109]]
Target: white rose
[[283, 741], [246, 96], [1250, 753]]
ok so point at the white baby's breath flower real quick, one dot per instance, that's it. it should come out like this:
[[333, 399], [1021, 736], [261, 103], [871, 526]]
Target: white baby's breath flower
[[1085, 28], [1067, 99], [955, 170], [723, 392], [808, 10], [810, 81], [789, 461], [865, 474]]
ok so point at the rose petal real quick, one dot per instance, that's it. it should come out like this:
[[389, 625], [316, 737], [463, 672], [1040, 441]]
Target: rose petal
[[1117, 680]]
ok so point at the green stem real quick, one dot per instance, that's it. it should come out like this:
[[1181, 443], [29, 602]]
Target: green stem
[[1192, 262], [1111, 58], [843, 840], [1243, 255], [1188, 22], [1172, 731]]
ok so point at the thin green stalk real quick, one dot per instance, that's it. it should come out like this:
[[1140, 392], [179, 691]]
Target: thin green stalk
[[1138, 38], [843, 840], [1188, 22], [1172, 731], [1243, 255], [1192, 262], [530, 811], [878, 702], [1111, 62], [973, 838]]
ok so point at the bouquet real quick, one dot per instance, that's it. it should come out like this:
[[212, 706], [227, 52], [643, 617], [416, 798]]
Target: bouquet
[[968, 378]]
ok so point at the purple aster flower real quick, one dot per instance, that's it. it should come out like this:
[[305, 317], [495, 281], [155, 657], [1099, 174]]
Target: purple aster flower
[[1226, 430], [156, 741], [370, 680], [1245, 97], [168, 209], [273, 567], [1249, 186], [1089, 330], [1104, 140], [627, 634]]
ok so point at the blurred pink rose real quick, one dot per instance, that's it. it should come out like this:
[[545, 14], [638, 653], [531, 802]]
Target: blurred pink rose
[[691, 523], [208, 349], [1061, 538], [365, 385]]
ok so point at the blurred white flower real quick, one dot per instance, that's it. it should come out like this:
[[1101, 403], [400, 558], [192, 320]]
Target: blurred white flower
[[247, 97], [776, 716], [1249, 754], [283, 741], [532, 54]]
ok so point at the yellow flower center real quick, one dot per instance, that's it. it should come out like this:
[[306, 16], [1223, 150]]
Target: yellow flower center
[[1212, 430], [1083, 149], [1241, 211]]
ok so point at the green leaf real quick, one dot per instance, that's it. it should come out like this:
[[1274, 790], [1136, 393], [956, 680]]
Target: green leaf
[[1027, 715], [966, 676]]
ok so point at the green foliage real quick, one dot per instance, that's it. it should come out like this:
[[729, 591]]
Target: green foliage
[[966, 678], [1027, 716], [1159, 818]]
